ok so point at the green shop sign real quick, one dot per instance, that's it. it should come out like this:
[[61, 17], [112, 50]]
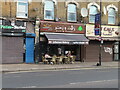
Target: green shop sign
[[6, 27], [80, 28]]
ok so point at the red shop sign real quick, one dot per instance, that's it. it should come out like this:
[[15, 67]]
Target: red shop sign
[[62, 27]]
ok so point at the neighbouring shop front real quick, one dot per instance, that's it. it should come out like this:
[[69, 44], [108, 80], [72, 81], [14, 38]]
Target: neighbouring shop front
[[13, 41], [59, 38], [110, 47]]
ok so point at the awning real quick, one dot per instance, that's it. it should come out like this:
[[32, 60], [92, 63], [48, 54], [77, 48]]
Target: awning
[[66, 38]]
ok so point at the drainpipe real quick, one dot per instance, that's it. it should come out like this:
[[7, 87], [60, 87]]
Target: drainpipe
[[37, 29], [10, 9]]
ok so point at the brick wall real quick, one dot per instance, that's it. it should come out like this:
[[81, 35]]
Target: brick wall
[[36, 9]]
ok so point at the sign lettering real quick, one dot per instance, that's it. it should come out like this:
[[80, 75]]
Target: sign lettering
[[66, 42], [6, 27], [11, 27]]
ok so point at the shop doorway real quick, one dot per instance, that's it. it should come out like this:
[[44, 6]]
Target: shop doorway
[[116, 51], [74, 49]]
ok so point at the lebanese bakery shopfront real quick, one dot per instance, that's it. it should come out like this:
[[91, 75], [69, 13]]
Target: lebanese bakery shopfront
[[59, 38], [110, 47]]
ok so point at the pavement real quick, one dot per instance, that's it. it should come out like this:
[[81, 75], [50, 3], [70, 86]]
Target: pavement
[[43, 67]]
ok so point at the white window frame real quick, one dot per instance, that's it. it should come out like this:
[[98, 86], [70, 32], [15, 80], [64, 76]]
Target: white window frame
[[52, 11], [26, 9], [113, 16], [92, 15], [68, 13]]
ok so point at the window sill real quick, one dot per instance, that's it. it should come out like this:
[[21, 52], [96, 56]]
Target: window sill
[[72, 21], [111, 24], [20, 17], [49, 19], [91, 23]]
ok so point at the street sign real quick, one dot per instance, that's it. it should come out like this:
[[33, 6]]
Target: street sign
[[97, 18], [97, 31], [97, 24]]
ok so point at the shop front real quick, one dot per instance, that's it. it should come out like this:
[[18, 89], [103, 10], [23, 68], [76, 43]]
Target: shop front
[[110, 35], [59, 38], [12, 41]]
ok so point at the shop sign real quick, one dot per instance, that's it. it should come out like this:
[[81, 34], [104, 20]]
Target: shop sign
[[61, 27], [7, 26], [66, 42], [106, 31], [11, 27]]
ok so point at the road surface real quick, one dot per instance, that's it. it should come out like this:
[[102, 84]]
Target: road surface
[[85, 78]]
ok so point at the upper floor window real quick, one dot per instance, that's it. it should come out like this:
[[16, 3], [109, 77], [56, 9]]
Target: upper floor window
[[111, 16], [22, 9], [49, 10], [92, 12], [71, 13]]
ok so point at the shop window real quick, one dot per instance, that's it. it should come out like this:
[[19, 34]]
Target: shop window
[[92, 12], [71, 13], [22, 9], [49, 10], [111, 16]]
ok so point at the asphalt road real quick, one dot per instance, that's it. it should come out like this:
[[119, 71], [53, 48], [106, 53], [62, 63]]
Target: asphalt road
[[92, 78]]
